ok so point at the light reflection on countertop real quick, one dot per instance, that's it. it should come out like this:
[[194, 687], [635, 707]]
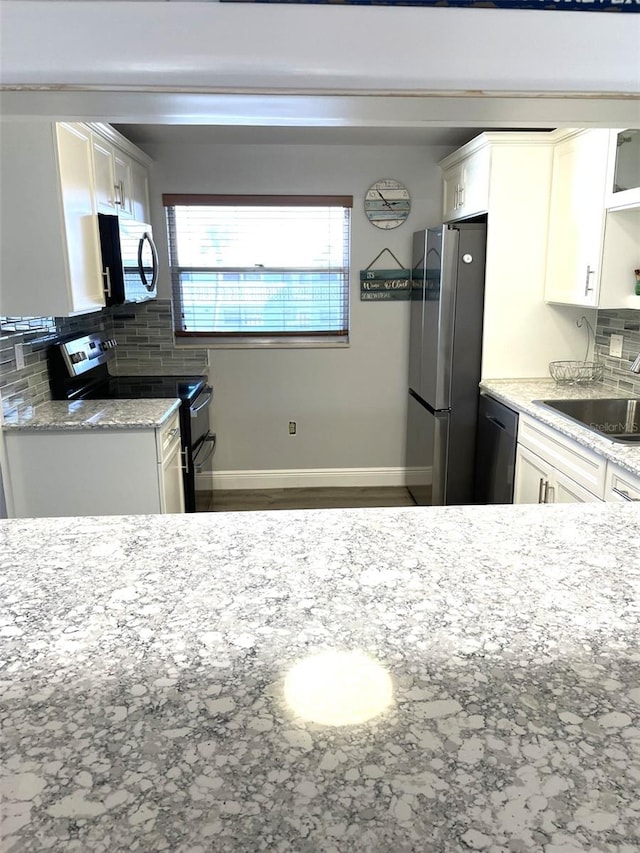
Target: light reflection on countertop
[[338, 688]]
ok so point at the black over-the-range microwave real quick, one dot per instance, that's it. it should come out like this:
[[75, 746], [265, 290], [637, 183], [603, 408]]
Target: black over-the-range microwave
[[129, 259]]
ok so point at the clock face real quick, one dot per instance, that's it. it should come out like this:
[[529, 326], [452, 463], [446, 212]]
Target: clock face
[[387, 203]]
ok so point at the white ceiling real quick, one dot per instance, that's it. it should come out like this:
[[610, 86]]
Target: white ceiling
[[153, 134]]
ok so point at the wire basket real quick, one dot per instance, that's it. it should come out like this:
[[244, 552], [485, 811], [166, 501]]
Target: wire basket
[[574, 372]]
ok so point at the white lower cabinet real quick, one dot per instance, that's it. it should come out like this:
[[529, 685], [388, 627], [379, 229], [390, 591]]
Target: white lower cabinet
[[621, 485], [551, 468], [95, 471], [170, 468], [538, 482]]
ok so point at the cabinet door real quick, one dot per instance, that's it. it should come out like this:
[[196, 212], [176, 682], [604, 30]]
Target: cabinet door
[[103, 166], [532, 473], [75, 164], [452, 183], [122, 170], [576, 219], [82, 472], [474, 193], [139, 192], [171, 485], [466, 187], [564, 490], [623, 181]]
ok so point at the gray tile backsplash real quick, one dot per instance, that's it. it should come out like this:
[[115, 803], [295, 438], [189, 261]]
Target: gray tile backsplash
[[144, 334], [617, 374]]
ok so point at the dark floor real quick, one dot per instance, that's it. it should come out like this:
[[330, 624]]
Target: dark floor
[[325, 498]]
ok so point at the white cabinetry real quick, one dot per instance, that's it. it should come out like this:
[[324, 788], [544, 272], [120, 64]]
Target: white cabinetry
[[551, 468], [621, 485], [49, 245], [623, 176], [121, 180], [466, 184], [591, 252], [170, 467], [55, 178], [95, 471], [521, 332]]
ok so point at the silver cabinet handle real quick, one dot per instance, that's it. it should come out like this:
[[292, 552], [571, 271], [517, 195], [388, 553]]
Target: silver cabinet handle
[[461, 196], [540, 488], [107, 281], [624, 495], [117, 194], [587, 286], [173, 431], [185, 458]]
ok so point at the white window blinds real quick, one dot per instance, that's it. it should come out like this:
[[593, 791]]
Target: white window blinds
[[259, 266]]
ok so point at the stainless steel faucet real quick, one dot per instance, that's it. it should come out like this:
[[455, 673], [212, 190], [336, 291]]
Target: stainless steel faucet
[[635, 367]]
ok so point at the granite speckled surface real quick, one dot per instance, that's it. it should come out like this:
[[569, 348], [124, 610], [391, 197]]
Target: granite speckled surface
[[519, 394], [91, 414], [144, 681]]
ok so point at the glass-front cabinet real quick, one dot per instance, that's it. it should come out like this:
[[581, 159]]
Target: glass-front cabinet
[[623, 183]]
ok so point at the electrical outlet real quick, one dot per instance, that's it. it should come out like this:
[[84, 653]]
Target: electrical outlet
[[615, 346], [19, 351], [292, 427]]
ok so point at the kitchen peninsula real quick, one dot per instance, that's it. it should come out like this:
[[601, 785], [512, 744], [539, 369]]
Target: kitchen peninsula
[[148, 667]]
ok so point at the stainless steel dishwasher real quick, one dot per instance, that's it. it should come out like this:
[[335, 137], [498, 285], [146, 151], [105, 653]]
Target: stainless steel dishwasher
[[495, 452]]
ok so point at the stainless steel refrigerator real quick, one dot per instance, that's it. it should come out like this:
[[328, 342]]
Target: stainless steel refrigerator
[[445, 351]]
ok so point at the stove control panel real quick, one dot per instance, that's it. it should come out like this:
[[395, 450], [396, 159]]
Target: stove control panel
[[83, 354]]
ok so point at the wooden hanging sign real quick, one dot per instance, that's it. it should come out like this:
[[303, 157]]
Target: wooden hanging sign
[[390, 285]]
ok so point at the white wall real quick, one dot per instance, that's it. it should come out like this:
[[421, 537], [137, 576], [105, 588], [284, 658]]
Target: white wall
[[349, 403]]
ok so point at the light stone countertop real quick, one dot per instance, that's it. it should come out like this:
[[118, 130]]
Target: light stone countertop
[[149, 702], [519, 394], [91, 415]]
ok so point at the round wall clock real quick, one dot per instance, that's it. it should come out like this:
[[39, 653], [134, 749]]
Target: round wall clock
[[387, 203]]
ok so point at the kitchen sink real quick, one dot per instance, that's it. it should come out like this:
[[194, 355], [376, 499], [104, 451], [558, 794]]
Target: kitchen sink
[[617, 419]]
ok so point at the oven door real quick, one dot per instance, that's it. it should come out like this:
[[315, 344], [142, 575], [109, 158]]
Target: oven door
[[202, 453], [199, 416]]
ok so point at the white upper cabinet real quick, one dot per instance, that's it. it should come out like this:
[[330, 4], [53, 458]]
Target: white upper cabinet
[[139, 196], [576, 218], [591, 252], [122, 182], [521, 333], [55, 178], [466, 184], [623, 176], [49, 244]]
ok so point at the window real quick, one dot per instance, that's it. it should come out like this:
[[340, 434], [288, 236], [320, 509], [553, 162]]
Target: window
[[260, 268]]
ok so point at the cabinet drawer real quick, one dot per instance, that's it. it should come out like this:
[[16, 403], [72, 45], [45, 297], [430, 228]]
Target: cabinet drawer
[[582, 465], [168, 435], [621, 485]]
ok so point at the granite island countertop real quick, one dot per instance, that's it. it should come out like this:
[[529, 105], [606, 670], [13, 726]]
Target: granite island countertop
[[148, 687], [521, 394], [91, 415]]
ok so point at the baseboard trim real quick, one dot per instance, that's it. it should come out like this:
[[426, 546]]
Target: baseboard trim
[[300, 478]]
